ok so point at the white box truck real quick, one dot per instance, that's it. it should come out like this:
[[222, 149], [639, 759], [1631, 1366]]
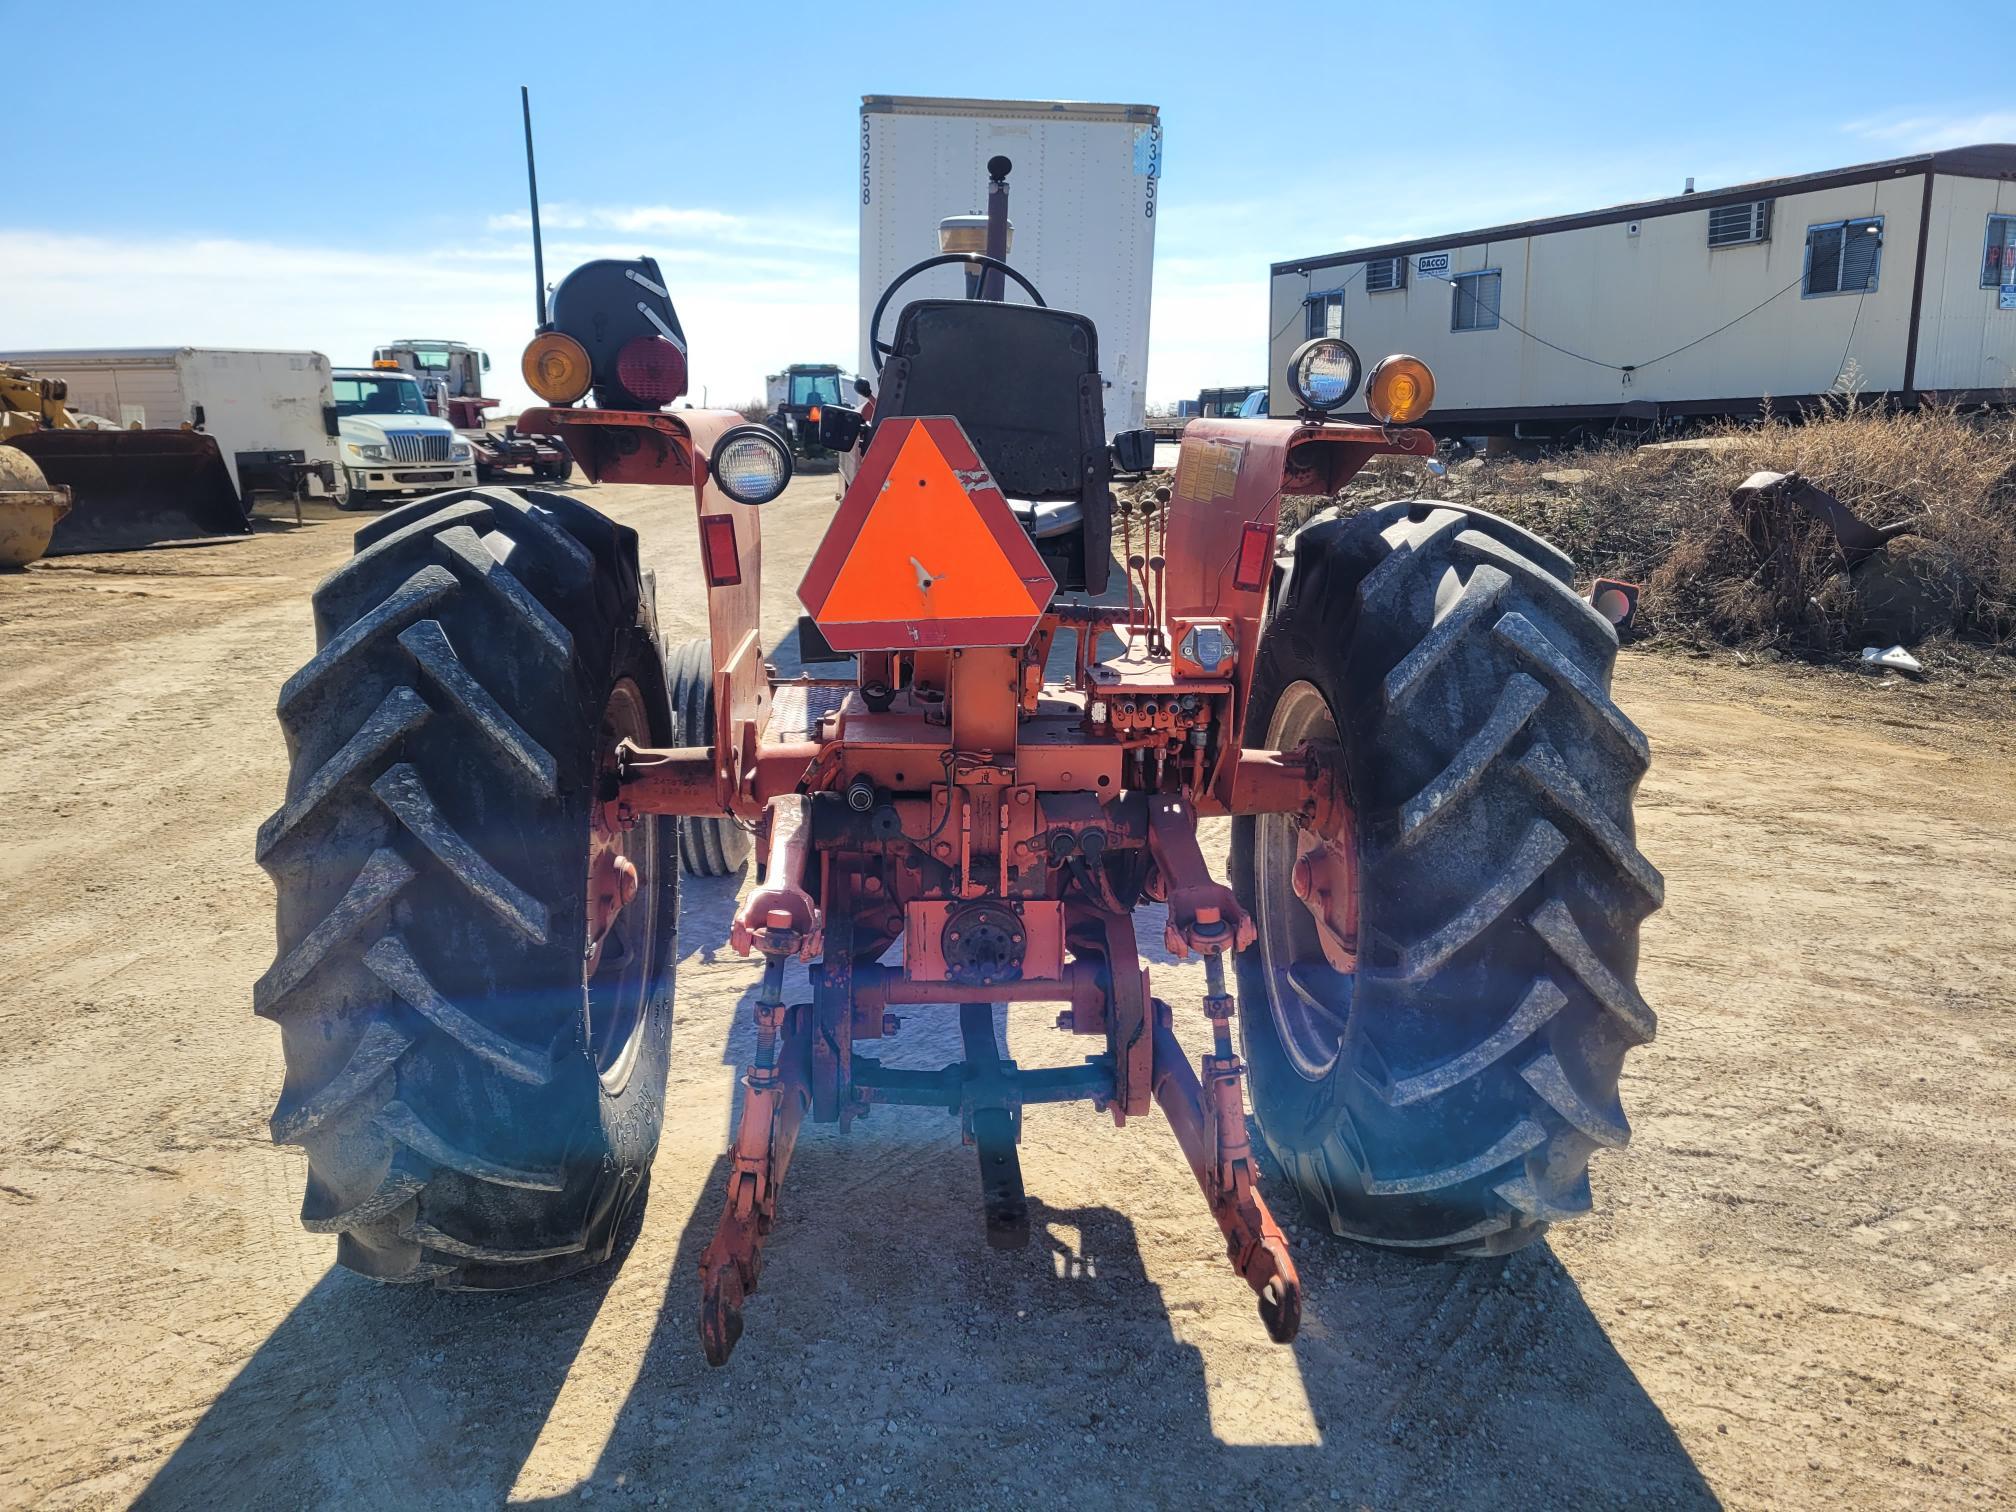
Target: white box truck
[[392, 442], [271, 413], [1081, 200]]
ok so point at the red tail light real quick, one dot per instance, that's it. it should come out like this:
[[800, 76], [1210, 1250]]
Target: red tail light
[[1255, 548], [717, 545], [652, 369]]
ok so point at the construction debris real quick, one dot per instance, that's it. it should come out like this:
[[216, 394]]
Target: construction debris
[[1893, 658]]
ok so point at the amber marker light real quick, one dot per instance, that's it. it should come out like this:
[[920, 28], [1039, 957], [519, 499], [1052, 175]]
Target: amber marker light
[[556, 368], [1400, 390]]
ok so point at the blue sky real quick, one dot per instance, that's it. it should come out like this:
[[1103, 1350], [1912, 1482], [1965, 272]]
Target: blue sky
[[324, 176]]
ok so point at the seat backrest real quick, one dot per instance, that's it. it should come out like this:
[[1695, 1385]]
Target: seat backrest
[[1023, 381]]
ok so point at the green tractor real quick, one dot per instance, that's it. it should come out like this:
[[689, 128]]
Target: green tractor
[[795, 397]]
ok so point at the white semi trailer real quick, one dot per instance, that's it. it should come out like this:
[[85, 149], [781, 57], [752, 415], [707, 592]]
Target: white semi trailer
[[1082, 202]]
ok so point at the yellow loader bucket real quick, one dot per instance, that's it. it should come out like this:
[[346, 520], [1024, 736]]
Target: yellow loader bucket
[[132, 489], [29, 509]]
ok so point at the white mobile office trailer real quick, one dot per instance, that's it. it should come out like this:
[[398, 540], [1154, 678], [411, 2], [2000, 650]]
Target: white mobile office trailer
[[1081, 199], [1896, 277], [271, 413]]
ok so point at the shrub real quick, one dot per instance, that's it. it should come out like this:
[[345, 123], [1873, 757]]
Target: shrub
[[1660, 516]]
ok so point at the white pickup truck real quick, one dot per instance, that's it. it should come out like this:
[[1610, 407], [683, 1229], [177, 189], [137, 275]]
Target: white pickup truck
[[390, 443]]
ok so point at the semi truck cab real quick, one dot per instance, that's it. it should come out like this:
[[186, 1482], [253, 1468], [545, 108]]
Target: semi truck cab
[[458, 367], [391, 443]]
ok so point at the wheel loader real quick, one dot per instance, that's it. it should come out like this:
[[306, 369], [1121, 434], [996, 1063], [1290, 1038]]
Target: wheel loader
[[1418, 966], [129, 489]]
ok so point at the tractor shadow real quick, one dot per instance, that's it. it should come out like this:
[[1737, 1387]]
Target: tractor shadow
[[369, 1396], [892, 1359]]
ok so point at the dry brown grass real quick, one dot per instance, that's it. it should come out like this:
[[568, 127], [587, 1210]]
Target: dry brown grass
[[1661, 517]]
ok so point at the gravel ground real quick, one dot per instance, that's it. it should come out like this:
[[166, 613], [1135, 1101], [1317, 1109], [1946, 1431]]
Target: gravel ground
[[1796, 1290]]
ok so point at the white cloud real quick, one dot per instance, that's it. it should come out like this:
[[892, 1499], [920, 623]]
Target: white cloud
[[1935, 131], [755, 290], [746, 312], [718, 226], [751, 295]]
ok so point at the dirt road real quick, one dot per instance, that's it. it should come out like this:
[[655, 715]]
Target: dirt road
[[1799, 1288]]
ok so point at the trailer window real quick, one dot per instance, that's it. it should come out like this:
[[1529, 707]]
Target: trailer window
[[1998, 263], [1385, 274], [377, 396], [1737, 225], [1326, 313], [1476, 307], [1844, 257]]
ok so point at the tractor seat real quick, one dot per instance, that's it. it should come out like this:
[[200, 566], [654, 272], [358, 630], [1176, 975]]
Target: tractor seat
[[1024, 384]]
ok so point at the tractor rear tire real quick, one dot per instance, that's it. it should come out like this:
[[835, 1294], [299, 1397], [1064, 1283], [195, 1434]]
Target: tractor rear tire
[[478, 1111], [707, 847], [1446, 1096]]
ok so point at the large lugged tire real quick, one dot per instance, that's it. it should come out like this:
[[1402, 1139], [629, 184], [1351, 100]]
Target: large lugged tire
[[474, 1112], [707, 847], [1448, 1094]]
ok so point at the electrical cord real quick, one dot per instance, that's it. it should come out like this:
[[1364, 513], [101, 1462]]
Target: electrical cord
[[1841, 367], [1726, 324], [1627, 367], [1862, 294], [945, 759], [1633, 367], [1505, 319], [1302, 311]]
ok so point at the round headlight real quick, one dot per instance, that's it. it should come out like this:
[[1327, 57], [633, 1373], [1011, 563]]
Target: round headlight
[[1323, 373], [1400, 390], [751, 464], [557, 368]]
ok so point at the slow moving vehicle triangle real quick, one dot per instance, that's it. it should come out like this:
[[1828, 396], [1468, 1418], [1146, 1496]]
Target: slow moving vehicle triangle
[[924, 551]]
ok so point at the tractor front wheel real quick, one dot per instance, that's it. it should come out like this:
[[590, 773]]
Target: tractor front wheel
[[473, 981], [1434, 1052]]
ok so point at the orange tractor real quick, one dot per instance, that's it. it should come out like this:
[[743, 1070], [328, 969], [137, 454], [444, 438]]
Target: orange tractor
[[1434, 895]]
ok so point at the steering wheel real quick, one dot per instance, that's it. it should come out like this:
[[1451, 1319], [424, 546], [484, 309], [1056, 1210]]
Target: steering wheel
[[878, 348]]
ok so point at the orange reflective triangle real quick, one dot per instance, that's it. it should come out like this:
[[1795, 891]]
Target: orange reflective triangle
[[925, 553]]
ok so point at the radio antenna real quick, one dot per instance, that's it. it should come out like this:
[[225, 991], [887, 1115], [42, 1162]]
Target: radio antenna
[[532, 179]]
